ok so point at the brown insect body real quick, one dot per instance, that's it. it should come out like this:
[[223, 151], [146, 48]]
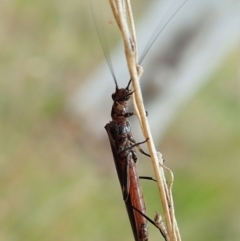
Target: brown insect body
[[125, 158]]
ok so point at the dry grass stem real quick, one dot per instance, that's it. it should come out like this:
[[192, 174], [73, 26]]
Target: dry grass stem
[[123, 14]]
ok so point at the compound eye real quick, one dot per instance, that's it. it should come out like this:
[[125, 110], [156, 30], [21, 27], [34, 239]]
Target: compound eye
[[114, 96]]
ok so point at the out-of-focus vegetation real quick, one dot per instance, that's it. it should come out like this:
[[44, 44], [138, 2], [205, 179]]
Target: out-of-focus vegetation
[[50, 188], [204, 144]]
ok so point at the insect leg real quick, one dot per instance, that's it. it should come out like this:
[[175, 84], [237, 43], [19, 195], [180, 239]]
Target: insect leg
[[136, 144], [149, 220], [148, 178]]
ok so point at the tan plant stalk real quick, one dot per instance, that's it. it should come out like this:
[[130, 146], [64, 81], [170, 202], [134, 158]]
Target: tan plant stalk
[[124, 18]]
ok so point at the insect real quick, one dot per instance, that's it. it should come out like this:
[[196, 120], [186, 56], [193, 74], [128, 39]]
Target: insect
[[125, 158], [122, 146]]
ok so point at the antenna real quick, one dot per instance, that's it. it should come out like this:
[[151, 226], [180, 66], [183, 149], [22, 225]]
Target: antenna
[[157, 32], [103, 42]]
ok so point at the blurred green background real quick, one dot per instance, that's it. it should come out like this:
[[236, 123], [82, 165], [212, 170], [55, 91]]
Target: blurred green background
[[52, 188]]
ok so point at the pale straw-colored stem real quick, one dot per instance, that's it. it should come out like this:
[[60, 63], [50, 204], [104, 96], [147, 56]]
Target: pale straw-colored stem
[[124, 18]]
